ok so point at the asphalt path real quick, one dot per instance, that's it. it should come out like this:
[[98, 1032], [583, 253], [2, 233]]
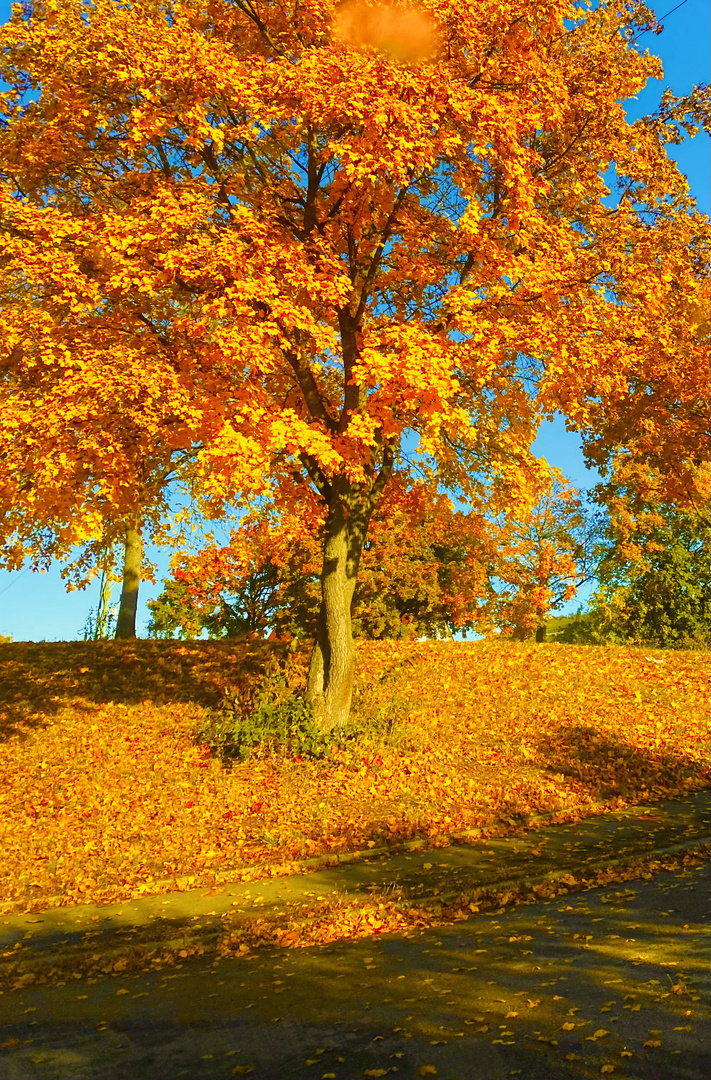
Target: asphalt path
[[613, 981]]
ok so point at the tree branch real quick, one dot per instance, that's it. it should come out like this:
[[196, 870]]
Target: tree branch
[[316, 475], [311, 392]]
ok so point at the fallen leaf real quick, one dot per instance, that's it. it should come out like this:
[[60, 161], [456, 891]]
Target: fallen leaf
[[138, 736]]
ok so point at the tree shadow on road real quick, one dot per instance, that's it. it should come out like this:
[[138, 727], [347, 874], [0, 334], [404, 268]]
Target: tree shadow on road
[[612, 982]]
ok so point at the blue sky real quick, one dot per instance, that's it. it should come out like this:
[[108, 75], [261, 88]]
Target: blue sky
[[35, 607]]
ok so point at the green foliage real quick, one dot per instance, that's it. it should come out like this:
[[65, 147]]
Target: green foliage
[[166, 611], [272, 726], [582, 628], [659, 598], [174, 614], [662, 599], [265, 718], [270, 716]]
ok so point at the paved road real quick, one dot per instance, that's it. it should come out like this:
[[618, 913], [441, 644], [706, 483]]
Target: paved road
[[609, 982], [633, 834]]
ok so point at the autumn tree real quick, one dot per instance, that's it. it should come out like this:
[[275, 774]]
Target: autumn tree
[[87, 470], [350, 228], [265, 579], [653, 564], [542, 557], [424, 572]]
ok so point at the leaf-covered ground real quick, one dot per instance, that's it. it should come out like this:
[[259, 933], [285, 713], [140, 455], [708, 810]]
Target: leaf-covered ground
[[105, 794], [610, 982]]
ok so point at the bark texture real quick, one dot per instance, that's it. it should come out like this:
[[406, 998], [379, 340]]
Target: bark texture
[[332, 668], [132, 559]]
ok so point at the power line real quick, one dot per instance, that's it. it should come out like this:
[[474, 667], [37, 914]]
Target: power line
[[673, 10], [660, 21], [15, 580]]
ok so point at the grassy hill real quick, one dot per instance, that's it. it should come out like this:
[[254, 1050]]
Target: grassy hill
[[107, 789]]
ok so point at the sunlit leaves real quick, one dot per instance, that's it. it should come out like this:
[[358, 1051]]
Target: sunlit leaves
[[106, 795], [330, 229]]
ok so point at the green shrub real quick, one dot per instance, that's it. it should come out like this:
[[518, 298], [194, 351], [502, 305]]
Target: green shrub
[[266, 718], [272, 717]]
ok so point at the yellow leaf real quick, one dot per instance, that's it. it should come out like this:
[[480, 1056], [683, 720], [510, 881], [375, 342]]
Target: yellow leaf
[[652, 1042], [375, 1072], [427, 1070], [600, 1033], [607, 1069], [567, 1027]]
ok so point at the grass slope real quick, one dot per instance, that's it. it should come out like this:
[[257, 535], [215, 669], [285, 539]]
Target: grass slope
[[106, 794]]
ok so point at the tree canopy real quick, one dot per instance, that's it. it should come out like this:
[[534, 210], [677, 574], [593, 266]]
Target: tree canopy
[[341, 230]]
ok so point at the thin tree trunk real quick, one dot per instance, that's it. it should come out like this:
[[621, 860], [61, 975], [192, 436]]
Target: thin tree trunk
[[332, 668], [132, 559]]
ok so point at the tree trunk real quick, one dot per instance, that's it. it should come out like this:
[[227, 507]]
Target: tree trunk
[[541, 633], [332, 667], [133, 554]]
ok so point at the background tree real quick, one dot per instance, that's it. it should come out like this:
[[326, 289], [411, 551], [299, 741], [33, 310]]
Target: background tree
[[266, 579], [542, 557], [422, 569], [416, 576], [653, 566], [340, 244]]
